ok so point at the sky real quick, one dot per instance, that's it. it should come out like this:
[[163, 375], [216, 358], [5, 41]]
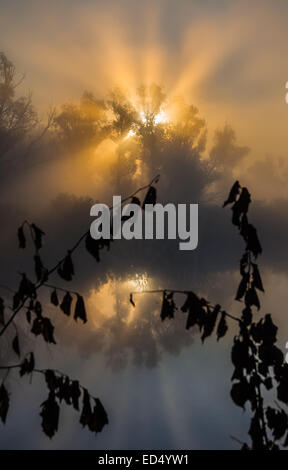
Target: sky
[[161, 387]]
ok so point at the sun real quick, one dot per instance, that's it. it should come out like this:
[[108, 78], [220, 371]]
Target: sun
[[160, 118]]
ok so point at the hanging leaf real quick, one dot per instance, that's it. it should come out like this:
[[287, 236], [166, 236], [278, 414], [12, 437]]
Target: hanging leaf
[[86, 413], [196, 313], [26, 288], [4, 403], [257, 281], [268, 330], [210, 322], [50, 415], [233, 194], [38, 234], [252, 240], [241, 206], [54, 298], [168, 306], [222, 327], [277, 422], [151, 197], [37, 326], [132, 301], [98, 418], [242, 287], [92, 246], [51, 380], [48, 330], [251, 298], [64, 390], [240, 392], [2, 319], [27, 365], [21, 237], [75, 393], [240, 354], [15, 345], [66, 304], [66, 269], [28, 316], [80, 311]]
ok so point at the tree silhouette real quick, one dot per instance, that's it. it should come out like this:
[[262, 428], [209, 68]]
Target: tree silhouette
[[60, 386], [259, 363], [17, 115]]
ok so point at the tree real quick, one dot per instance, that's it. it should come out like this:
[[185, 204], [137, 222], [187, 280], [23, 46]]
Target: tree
[[259, 363], [17, 114], [27, 299]]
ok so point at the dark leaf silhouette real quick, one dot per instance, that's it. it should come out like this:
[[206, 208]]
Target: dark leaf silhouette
[[75, 393], [38, 308], [252, 240], [277, 422], [242, 287], [80, 311], [151, 197], [168, 306], [15, 345], [37, 326], [92, 246], [51, 380], [64, 392], [196, 313], [131, 300], [26, 288], [28, 316], [66, 304], [210, 322], [54, 298], [247, 316], [86, 413], [27, 365], [257, 281], [222, 327], [43, 326], [240, 207], [38, 234], [4, 403], [98, 417], [251, 298], [48, 330], [21, 237], [50, 415], [66, 269], [241, 392], [233, 194]]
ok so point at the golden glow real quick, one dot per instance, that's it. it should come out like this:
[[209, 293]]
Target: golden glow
[[140, 281], [160, 118], [131, 133]]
